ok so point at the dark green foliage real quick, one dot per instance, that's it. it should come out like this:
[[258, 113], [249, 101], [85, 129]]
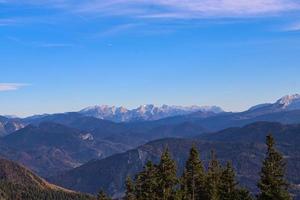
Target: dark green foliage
[[193, 179], [102, 196], [272, 184], [166, 177], [155, 182], [228, 187], [213, 178], [147, 183]]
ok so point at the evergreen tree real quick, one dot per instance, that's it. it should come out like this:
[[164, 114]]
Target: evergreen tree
[[146, 183], [102, 196], [272, 183], [213, 178], [130, 190], [166, 177], [193, 179], [227, 186]]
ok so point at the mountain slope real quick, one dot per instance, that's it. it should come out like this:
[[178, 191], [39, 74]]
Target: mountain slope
[[129, 134], [49, 147], [110, 173], [18, 183], [9, 125], [246, 155], [286, 103], [256, 132]]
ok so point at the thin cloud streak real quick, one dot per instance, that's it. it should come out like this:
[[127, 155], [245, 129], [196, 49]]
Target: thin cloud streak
[[7, 22], [39, 44], [184, 9], [11, 86], [292, 27], [117, 29], [54, 45]]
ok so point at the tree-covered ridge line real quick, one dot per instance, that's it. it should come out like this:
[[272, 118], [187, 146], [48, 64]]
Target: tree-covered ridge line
[[217, 182], [11, 191], [19, 183]]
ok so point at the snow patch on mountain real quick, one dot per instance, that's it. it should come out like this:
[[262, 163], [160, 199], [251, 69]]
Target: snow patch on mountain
[[86, 136]]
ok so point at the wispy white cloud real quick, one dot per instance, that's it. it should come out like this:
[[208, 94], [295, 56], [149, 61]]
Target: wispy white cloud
[[6, 22], [292, 27], [117, 29], [11, 86], [40, 44], [53, 45], [174, 8]]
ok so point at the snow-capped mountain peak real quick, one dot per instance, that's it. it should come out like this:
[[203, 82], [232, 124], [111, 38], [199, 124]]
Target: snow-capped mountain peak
[[144, 112], [289, 100], [286, 103]]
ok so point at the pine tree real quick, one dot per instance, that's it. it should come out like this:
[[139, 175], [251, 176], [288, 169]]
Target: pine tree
[[213, 178], [102, 196], [193, 179], [272, 183], [166, 177], [130, 190]]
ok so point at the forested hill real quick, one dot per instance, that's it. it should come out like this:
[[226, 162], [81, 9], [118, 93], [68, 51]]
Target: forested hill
[[19, 183]]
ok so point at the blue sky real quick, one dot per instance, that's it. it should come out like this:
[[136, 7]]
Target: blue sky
[[63, 55]]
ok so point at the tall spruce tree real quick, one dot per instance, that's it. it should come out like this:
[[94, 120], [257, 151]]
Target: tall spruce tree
[[130, 190], [272, 183], [227, 186], [213, 178], [166, 177], [193, 179], [146, 183]]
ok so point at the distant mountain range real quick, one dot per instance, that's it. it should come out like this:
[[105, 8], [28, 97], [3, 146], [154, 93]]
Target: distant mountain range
[[144, 112], [9, 123], [51, 143]]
